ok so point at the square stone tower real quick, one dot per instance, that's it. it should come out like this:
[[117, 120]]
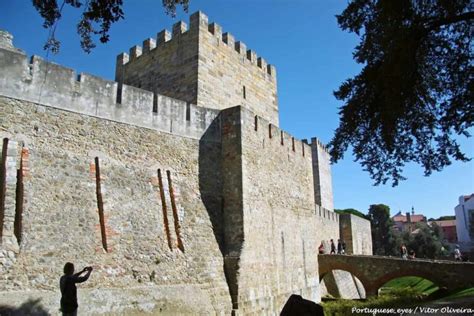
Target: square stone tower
[[202, 66]]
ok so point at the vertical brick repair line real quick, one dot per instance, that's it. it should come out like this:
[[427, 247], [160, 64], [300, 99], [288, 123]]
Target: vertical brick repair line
[[165, 212], [18, 223], [100, 204], [3, 187], [177, 227]]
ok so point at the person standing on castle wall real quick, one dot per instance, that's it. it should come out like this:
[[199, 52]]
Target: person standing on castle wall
[[321, 248], [403, 251], [457, 254], [67, 284], [343, 247], [333, 247], [339, 247]]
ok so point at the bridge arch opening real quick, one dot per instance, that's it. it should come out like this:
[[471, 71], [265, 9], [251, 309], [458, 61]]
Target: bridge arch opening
[[339, 283], [409, 284]]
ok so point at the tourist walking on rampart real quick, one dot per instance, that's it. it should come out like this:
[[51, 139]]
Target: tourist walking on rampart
[[321, 248], [457, 254], [403, 251], [67, 284], [339, 247], [333, 247]]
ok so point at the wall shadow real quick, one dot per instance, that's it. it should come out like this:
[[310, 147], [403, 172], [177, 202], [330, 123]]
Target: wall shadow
[[30, 307], [210, 179]]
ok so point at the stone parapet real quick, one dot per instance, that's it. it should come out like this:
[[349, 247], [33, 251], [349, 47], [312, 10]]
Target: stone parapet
[[46, 83], [198, 22]]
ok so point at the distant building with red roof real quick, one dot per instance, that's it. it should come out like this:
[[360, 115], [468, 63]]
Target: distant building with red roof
[[448, 227], [408, 221]]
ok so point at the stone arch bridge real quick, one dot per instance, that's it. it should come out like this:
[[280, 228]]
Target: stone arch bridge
[[375, 271]]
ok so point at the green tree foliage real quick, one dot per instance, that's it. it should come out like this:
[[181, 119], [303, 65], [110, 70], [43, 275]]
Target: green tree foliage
[[446, 218], [415, 92], [384, 241], [96, 19], [351, 211], [427, 242]]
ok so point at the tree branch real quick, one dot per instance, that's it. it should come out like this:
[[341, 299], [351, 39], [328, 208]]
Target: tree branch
[[450, 20]]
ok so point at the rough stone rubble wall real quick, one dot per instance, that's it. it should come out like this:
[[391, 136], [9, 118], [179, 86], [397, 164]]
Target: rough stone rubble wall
[[279, 249], [328, 227], [61, 219], [322, 175], [357, 234], [11, 166]]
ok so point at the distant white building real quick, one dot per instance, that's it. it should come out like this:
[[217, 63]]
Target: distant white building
[[465, 218]]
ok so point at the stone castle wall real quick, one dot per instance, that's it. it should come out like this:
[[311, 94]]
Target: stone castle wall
[[202, 66], [57, 86], [357, 234], [322, 175], [167, 65], [279, 250], [172, 203], [157, 231], [166, 181], [230, 74], [328, 227]]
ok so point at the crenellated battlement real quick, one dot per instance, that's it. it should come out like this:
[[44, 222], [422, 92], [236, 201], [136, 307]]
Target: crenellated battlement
[[317, 142], [198, 23], [240, 48], [202, 65], [280, 139], [322, 174]]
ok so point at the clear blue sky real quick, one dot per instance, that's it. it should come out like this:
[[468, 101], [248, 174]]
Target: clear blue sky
[[312, 56]]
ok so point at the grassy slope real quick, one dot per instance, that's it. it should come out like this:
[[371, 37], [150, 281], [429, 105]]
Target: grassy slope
[[417, 284]]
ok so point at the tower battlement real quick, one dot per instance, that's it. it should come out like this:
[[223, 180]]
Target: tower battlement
[[213, 28], [202, 65]]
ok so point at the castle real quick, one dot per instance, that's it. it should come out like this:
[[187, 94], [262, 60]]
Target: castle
[[174, 182]]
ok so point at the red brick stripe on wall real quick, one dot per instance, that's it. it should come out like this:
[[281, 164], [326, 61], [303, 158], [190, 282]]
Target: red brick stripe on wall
[[18, 223], [165, 212], [100, 205], [3, 187], [177, 227]]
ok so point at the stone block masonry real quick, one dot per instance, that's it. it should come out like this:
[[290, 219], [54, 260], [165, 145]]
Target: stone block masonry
[[357, 234], [61, 220], [57, 86], [281, 223], [202, 66], [322, 175]]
